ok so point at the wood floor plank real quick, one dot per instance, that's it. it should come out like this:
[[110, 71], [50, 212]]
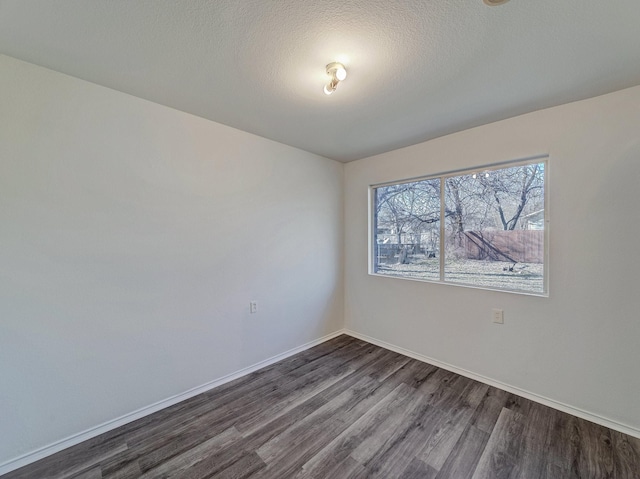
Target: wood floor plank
[[627, 457], [501, 453], [308, 428], [76, 466], [418, 470], [435, 384], [347, 468], [579, 448], [415, 373], [158, 423], [316, 431], [386, 433], [309, 439], [177, 442], [558, 448], [93, 473], [518, 404], [256, 439], [162, 443], [347, 409], [323, 350], [126, 470], [486, 415], [590, 449], [178, 466], [222, 416], [596, 450], [399, 450], [73, 460], [535, 444], [465, 455], [258, 383], [340, 448], [393, 364], [225, 393], [379, 360], [310, 387], [209, 464], [363, 364], [242, 468], [456, 409]]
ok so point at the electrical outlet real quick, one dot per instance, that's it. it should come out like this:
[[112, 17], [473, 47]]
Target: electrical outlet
[[253, 307], [498, 316]]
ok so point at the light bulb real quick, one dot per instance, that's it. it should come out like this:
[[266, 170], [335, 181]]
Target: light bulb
[[337, 72]]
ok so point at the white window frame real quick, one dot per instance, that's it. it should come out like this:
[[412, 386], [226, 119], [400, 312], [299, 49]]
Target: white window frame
[[443, 177]]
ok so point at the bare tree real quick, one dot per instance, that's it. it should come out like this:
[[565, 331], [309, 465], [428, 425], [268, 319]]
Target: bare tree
[[476, 204], [512, 189], [408, 210]]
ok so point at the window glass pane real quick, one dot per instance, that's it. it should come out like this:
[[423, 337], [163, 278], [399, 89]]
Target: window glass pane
[[407, 230], [494, 228], [493, 234]]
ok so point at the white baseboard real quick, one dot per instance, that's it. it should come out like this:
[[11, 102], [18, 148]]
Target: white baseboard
[[57, 446], [560, 406]]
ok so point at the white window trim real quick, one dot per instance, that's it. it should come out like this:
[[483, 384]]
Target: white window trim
[[442, 177]]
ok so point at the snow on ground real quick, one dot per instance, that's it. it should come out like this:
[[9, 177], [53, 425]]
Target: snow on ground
[[489, 274]]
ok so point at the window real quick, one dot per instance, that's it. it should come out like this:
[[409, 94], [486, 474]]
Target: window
[[484, 227]]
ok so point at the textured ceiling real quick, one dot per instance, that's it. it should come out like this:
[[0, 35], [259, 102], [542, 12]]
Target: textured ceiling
[[417, 69]]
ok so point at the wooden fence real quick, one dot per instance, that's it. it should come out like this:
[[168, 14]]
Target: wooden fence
[[517, 246], [522, 246]]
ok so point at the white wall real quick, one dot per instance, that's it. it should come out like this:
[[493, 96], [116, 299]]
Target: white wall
[[132, 238], [580, 346]]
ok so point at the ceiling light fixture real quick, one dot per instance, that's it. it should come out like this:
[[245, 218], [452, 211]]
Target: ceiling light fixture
[[337, 72], [494, 3]]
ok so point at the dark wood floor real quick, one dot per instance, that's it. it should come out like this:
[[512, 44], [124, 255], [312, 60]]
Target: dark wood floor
[[348, 409]]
